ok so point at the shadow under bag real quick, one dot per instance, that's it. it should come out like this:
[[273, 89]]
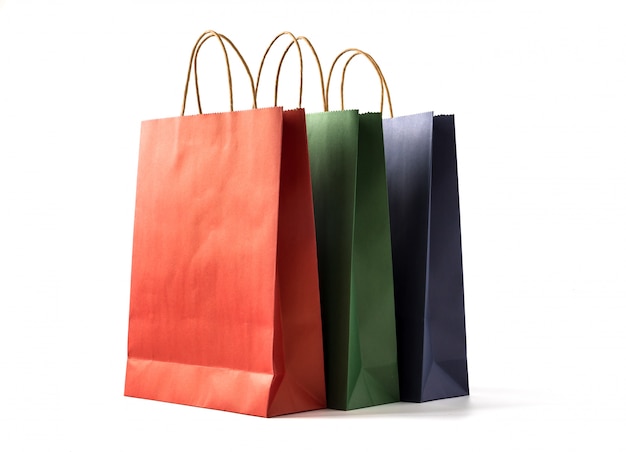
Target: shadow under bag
[[420, 154]]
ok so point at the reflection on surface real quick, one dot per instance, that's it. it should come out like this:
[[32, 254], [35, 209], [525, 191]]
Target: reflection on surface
[[481, 399]]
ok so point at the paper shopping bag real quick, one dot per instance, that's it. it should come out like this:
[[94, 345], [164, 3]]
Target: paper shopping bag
[[354, 255], [224, 305], [420, 153]]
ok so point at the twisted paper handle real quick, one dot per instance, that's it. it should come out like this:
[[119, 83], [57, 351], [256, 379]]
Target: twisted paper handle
[[192, 62], [267, 51], [319, 67], [384, 89]]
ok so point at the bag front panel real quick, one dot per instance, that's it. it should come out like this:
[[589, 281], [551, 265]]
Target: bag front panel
[[204, 255], [408, 155], [333, 148]]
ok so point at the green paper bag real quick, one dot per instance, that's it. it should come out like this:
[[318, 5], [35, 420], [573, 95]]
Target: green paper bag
[[354, 258]]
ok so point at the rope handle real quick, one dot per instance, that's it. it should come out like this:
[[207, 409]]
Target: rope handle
[[384, 88], [319, 67], [294, 40], [195, 65], [192, 62]]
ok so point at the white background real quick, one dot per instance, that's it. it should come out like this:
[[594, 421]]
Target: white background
[[538, 89]]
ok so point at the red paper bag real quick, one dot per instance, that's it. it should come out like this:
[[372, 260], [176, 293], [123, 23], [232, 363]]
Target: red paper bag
[[224, 304]]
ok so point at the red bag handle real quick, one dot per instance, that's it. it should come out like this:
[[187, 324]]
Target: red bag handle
[[384, 89], [192, 62]]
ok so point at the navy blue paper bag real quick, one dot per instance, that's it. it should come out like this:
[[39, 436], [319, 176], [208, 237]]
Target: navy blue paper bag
[[420, 154]]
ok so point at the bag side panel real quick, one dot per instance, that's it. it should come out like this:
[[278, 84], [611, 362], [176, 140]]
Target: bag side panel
[[373, 372], [301, 387], [445, 343]]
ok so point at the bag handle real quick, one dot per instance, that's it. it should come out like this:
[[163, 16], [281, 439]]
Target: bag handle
[[319, 67], [384, 88], [294, 40], [229, 75], [192, 62]]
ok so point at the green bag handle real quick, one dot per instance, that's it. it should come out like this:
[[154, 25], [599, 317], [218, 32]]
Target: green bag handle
[[384, 88], [192, 62], [267, 51], [294, 40], [319, 67]]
